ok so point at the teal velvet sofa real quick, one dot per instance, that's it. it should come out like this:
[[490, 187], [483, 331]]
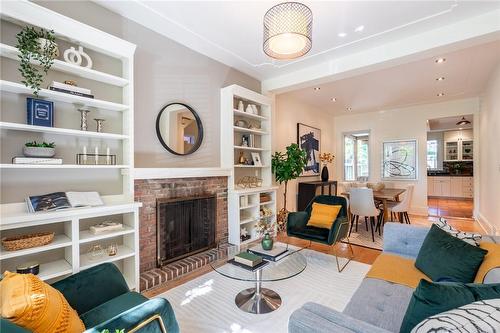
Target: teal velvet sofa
[[102, 299]]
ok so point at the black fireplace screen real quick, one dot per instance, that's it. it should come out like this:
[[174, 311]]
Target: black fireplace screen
[[185, 226]]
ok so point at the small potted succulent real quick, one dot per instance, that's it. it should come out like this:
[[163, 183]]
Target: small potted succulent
[[38, 50], [43, 149]]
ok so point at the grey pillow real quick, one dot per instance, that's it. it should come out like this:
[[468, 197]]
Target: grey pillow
[[481, 316]]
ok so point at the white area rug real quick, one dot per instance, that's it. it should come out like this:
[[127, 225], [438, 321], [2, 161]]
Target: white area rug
[[206, 304]]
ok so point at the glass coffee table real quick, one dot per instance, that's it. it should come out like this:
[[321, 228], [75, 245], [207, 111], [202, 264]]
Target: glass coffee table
[[258, 299]]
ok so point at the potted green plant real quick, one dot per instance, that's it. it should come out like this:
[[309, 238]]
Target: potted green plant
[[37, 49], [43, 149], [285, 167]]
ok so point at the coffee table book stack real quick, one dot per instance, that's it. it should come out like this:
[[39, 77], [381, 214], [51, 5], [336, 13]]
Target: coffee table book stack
[[111, 80]]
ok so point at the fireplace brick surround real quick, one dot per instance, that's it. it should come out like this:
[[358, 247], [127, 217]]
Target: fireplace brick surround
[[148, 191]]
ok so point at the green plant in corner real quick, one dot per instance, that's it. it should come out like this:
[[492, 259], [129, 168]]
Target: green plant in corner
[[40, 145], [37, 48], [285, 167]]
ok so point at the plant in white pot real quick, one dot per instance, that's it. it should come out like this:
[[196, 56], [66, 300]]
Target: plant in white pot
[[37, 49], [35, 149]]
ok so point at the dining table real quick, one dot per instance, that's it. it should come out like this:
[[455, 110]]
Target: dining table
[[384, 195]]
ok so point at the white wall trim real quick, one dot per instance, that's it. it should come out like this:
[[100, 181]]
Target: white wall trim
[[488, 227], [165, 173]]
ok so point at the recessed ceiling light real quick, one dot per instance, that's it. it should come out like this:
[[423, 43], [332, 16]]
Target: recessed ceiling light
[[441, 78], [342, 34], [333, 99], [349, 108], [440, 60], [316, 88], [360, 28], [440, 94]]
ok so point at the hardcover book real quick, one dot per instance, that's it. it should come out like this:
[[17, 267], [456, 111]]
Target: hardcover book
[[277, 252], [248, 259], [61, 200], [76, 93], [40, 112], [36, 160]]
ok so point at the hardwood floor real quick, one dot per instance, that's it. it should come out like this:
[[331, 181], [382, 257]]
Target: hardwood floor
[[361, 254], [450, 207]]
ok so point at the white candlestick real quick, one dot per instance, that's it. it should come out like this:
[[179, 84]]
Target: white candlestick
[[85, 153], [108, 158], [96, 154]]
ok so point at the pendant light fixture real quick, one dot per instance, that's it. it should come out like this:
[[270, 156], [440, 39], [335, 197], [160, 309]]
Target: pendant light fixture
[[463, 121], [288, 30]]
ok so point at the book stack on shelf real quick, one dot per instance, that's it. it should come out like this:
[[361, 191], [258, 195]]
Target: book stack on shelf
[[71, 89], [36, 160]]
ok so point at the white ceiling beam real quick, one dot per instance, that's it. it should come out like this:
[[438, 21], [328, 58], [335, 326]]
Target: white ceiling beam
[[462, 34]]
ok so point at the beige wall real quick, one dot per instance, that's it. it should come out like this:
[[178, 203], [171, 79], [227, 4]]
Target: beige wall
[[402, 123], [288, 113], [165, 71], [489, 156]]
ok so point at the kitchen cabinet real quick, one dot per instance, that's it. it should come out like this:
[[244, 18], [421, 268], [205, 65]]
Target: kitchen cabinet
[[451, 187], [458, 145]]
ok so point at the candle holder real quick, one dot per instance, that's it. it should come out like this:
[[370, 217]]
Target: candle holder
[[99, 123], [83, 118], [93, 159]]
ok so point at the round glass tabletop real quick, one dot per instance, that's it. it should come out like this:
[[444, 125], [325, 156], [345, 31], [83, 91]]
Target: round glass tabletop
[[288, 266]]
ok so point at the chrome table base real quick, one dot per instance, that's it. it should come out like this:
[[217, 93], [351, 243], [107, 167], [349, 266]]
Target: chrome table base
[[258, 300], [266, 301]]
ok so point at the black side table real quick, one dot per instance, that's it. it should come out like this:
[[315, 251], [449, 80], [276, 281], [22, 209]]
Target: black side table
[[308, 190]]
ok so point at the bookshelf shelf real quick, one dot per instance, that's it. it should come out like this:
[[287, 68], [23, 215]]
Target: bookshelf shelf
[[18, 88], [250, 148], [249, 115], [58, 242], [61, 166], [61, 66], [123, 253], [60, 131], [248, 130]]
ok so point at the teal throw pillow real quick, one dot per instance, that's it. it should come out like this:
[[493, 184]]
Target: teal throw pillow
[[444, 256], [432, 298]]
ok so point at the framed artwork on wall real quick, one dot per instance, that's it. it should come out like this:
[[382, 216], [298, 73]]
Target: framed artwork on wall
[[309, 139], [399, 159]]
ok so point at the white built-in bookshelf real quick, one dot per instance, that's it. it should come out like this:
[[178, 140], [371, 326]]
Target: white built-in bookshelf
[[245, 204], [111, 80]]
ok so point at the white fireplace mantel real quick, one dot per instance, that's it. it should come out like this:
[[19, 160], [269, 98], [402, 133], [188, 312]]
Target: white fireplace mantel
[[159, 173]]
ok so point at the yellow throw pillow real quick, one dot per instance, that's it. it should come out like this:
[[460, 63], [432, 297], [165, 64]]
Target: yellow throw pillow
[[323, 216], [31, 303], [490, 261]]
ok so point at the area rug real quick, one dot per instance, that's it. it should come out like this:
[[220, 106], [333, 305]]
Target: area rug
[[364, 238], [206, 304]]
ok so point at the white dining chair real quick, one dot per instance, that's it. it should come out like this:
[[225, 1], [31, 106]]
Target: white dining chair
[[401, 209], [362, 204]]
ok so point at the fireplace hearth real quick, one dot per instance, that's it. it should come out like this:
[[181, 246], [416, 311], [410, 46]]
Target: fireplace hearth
[[185, 226]]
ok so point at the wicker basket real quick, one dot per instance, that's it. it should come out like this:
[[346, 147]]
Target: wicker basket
[[26, 241]]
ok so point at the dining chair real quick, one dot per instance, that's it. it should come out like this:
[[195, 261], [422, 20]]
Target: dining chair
[[362, 204], [401, 209]]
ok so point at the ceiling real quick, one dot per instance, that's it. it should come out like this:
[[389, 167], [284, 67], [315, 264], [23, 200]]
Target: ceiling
[[231, 31], [465, 73], [448, 123]]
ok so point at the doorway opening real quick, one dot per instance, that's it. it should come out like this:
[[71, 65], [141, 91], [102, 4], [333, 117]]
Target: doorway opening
[[450, 164]]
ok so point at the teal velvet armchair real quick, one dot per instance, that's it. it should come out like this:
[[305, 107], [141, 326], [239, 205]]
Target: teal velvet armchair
[[102, 299], [297, 226]]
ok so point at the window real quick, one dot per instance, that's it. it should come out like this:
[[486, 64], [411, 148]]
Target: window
[[356, 157], [432, 151]]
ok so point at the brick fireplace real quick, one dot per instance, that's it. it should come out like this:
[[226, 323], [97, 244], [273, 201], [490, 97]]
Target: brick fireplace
[[149, 191]]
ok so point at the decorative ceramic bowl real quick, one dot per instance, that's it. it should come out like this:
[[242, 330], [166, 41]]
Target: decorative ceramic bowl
[[39, 151]]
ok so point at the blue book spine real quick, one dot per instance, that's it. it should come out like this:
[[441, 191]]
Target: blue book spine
[[40, 112]]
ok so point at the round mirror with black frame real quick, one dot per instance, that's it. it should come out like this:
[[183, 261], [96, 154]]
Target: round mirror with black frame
[[179, 129]]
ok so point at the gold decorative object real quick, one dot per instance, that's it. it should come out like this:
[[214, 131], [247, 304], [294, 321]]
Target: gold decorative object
[[326, 157], [249, 182], [70, 82], [27, 241], [96, 251], [112, 250]]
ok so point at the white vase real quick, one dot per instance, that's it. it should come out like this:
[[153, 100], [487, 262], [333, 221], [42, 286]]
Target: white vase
[[241, 107], [255, 110], [249, 109]]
